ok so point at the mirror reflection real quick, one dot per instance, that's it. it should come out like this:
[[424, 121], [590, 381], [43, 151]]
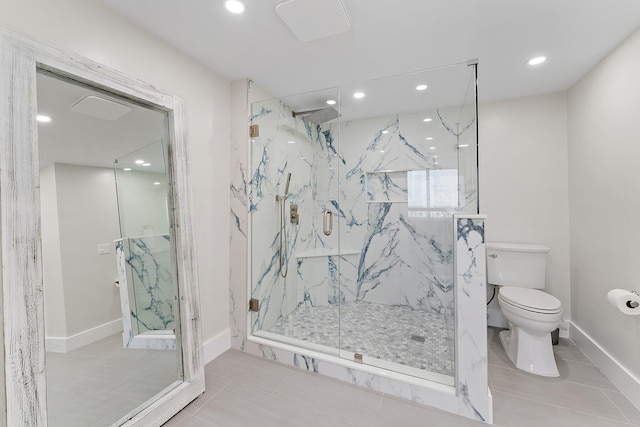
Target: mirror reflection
[[108, 261]]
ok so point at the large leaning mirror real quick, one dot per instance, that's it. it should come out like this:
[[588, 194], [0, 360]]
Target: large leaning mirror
[[100, 302]]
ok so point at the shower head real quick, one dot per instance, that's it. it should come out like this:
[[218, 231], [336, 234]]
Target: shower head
[[286, 186], [319, 116]]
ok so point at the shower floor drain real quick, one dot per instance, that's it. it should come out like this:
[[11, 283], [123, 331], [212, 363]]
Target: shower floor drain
[[418, 338]]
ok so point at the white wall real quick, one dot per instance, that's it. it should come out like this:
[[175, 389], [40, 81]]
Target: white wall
[[604, 148], [523, 179], [90, 296], [54, 306], [93, 31]]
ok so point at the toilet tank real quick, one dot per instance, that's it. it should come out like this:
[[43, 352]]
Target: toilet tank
[[516, 264]]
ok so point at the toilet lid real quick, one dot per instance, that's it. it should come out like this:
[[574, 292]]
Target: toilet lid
[[530, 299]]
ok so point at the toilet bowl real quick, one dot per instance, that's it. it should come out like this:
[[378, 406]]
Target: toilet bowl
[[532, 315]]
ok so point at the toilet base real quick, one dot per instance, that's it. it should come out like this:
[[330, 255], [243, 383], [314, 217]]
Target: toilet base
[[530, 353]]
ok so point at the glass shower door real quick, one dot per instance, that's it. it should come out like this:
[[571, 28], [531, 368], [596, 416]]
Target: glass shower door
[[293, 199]]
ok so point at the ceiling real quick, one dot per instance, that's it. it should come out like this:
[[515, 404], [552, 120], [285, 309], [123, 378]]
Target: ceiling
[[80, 139], [396, 37]]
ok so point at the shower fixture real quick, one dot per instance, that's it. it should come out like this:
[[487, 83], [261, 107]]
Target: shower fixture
[[282, 251], [319, 116]]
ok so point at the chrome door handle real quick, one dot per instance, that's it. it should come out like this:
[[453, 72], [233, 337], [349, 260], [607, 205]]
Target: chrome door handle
[[327, 222], [493, 255]]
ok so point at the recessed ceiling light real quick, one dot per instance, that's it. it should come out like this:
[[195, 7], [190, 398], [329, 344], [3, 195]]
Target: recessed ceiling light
[[537, 60], [146, 164], [156, 183], [43, 119], [331, 102], [139, 162], [126, 169], [428, 119], [421, 87], [291, 142], [429, 138], [358, 95], [385, 131], [234, 6], [432, 148]]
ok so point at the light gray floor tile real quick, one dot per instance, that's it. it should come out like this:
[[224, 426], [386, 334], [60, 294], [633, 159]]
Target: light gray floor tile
[[252, 372], [213, 385], [567, 350], [398, 412], [583, 373], [514, 411], [186, 419], [554, 391], [622, 403], [570, 418], [339, 398]]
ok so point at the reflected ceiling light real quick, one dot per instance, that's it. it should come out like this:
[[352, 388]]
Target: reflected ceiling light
[[385, 131], [462, 145], [435, 157], [421, 87], [234, 6], [432, 148], [382, 151], [43, 119], [291, 142], [358, 95], [146, 164], [126, 169], [428, 119], [156, 183], [537, 60], [331, 102], [139, 162], [429, 138]]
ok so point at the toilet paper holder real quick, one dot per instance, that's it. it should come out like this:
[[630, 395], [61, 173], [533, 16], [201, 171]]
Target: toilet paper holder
[[633, 304]]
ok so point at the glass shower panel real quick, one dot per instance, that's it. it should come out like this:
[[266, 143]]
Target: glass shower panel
[[403, 176], [142, 183], [295, 220]]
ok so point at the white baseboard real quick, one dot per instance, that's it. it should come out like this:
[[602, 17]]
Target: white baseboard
[[217, 345], [73, 342], [620, 376]]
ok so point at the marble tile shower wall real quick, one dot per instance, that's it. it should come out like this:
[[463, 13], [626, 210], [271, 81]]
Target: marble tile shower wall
[[147, 296], [393, 251]]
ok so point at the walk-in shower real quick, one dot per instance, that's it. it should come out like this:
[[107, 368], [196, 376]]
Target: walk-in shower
[[380, 184]]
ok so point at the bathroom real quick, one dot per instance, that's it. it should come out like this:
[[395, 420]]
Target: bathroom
[[519, 138]]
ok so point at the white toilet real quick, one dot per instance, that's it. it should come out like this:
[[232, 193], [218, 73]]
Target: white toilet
[[532, 314]]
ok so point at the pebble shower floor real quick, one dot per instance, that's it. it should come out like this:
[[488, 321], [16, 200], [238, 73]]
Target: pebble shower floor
[[398, 334]]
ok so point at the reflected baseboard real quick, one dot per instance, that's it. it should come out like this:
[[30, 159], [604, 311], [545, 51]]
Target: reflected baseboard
[[217, 345], [73, 342]]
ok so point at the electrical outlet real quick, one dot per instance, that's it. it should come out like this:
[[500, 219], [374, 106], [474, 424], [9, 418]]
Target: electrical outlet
[[104, 248]]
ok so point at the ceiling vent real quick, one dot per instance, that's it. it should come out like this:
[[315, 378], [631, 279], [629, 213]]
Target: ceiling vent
[[100, 108], [314, 19]]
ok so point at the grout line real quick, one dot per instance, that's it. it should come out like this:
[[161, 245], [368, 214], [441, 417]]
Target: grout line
[[566, 408], [210, 398], [616, 406]]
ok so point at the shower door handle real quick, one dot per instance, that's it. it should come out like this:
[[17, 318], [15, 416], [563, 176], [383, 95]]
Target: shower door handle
[[327, 222]]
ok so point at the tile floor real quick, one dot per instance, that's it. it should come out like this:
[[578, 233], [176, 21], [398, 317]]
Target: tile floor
[[397, 334], [98, 384], [244, 390]]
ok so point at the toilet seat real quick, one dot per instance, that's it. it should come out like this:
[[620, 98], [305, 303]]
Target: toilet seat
[[531, 300]]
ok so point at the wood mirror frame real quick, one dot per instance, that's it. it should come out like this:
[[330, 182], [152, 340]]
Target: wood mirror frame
[[23, 378]]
